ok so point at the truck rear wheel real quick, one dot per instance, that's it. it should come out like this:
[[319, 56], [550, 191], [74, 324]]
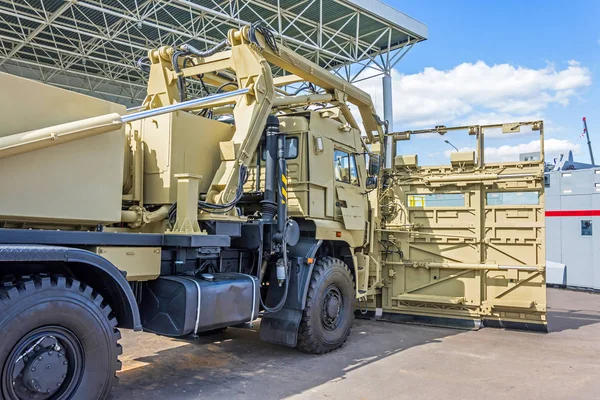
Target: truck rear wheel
[[329, 310], [59, 341]]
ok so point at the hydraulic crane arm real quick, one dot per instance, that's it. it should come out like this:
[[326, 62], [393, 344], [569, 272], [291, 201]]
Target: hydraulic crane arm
[[250, 71], [304, 70], [250, 61], [342, 90]]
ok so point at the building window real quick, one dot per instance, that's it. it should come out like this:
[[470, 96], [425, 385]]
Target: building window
[[344, 166], [586, 227], [546, 180]]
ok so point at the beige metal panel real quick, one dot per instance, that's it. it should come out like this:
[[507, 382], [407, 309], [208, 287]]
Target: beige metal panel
[[321, 174], [177, 143], [354, 210], [293, 124], [406, 161], [462, 157], [28, 105], [140, 263], [332, 125], [317, 201], [335, 231], [448, 252], [67, 183]]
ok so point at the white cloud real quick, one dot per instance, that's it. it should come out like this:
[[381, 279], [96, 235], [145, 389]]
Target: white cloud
[[477, 92], [552, 148]]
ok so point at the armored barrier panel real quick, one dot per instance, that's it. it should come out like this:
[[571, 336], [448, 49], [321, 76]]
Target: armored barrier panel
[[75, 182], [463, 244]]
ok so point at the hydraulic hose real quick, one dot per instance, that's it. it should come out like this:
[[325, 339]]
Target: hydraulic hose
[[283, 299], [180, 81], [281, 303], [188, 48], [223, 86], [142, 64], [268, 35]]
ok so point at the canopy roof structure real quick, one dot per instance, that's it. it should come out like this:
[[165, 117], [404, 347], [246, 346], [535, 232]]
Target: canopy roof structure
[[92, 46]]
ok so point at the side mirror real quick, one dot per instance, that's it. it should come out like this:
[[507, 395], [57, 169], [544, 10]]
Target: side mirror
[[371, 182], [374, 164]]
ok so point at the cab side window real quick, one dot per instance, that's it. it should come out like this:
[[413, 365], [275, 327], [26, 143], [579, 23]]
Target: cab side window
[[291, 149], [344, 166]]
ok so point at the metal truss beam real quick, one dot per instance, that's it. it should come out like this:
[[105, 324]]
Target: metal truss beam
[[92, 45]]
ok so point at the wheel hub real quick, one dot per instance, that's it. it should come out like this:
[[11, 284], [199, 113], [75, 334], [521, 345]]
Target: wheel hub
[[46, 364], [332, 307], [46, 371]]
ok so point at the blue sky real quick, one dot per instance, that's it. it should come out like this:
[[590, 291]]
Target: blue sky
[[499, 60]]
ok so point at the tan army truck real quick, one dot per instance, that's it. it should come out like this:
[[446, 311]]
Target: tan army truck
[[245, 201]]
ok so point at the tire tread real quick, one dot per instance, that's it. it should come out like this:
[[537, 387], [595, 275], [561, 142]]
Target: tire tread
[[11, 292], [307, 340]]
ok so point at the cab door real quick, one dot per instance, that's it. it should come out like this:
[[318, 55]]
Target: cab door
[[350, 200]]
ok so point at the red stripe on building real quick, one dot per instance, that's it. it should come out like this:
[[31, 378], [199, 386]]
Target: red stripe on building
[[573, 213]]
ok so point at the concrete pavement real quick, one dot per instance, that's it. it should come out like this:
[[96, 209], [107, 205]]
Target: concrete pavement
[[380, 361]]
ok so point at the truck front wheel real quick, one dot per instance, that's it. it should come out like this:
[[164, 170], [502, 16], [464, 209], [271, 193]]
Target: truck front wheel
[[329, 309], [59, 341]]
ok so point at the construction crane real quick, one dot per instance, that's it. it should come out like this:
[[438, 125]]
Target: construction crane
[[589, 143]]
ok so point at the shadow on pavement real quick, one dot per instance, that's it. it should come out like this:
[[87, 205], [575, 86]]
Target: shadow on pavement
[[235, 364], [568, 309], [560, 320]]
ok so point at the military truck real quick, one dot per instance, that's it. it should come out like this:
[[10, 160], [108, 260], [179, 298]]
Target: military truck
[[227, 197]]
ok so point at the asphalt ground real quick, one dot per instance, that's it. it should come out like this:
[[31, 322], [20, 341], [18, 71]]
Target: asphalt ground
[[380, 361]]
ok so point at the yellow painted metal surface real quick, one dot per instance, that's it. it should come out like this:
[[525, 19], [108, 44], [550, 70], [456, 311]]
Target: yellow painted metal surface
[[140, 263], [172, 143], [77, 181], [451, 247], [432, 242]]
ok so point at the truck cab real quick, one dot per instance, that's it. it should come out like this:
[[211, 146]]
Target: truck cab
[[326, 168]]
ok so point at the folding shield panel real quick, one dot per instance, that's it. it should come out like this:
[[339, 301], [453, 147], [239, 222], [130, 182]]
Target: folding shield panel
[[462, 244]]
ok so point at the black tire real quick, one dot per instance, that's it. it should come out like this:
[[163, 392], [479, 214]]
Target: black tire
[[322, 329], [65, 329]]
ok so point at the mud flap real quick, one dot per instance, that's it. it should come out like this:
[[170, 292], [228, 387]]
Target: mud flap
[[282, 327]]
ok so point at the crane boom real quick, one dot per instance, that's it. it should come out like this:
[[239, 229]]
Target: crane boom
[[589, 143], [250, 60]]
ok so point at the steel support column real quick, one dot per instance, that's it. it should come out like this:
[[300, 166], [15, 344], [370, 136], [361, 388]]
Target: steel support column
[[388, 115]]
